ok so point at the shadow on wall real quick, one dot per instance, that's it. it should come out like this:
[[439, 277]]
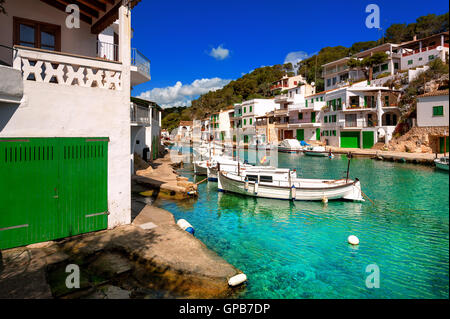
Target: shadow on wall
[[7, 111]]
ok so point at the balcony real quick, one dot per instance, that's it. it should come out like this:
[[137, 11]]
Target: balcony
[[140, 65], [429, 48], [11, 86], [59, 68], [139, 115]]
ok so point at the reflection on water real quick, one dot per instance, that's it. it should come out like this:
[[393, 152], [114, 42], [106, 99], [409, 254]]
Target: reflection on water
[[300, 250]]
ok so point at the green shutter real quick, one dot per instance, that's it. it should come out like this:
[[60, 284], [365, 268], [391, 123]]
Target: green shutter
[[438, 110], [318, 134], [251, 108], [365, 101], [306, 103], [313, 117], [325, 119]]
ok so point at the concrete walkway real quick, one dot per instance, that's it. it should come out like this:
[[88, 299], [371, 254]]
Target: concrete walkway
[[151, 257], [417, 158]]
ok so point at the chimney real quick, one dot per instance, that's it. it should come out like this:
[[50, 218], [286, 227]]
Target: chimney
[[415, 37]]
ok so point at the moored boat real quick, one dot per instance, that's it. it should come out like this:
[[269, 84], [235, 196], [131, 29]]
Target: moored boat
[[281, 183], [442, 163], [290, 146], [316, 151]]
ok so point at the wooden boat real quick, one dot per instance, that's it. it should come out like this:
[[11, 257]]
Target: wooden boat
[[442, 163], [227, 164], [279, 183], [316, 151]]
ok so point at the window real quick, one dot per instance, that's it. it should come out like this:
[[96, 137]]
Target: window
[[245, 110], [386, 100], [334, 80], [333, 103], [396, 65], [317, 99], [245, 122], [334, 132], [312, 101], [265, 179], [438, 110], [430, 57], [251, 108], [339, 104], [410, 62], [325, 119], [306, 103], [321, 98], [240, 111], [334, 118], [328, 82], [252, 178], [300, 116], [420, 59], [313, 117], [36, 34], [250, 121], [384, 67]]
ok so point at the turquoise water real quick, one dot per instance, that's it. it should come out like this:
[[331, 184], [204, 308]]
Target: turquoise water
[[300, 250]]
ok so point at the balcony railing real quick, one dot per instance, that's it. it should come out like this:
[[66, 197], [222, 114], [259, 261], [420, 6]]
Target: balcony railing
[[351, 124], [60, 68], [140, 61], [139, 114]]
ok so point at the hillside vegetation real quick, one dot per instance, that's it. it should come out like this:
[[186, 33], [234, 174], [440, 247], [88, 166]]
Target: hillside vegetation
[[257, 83]]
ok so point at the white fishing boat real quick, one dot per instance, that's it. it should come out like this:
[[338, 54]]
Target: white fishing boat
[[442, 163], [200, 168], [290, 146], [316, 151], [279, 183]]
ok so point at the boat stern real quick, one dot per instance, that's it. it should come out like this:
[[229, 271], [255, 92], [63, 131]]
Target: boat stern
[[355, 193]]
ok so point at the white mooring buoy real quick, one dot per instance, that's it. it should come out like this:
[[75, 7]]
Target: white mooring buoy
[[237, 280], [352, 239]]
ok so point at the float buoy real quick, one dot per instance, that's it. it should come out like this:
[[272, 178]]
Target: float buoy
[[237, 280], [184, 225], [293, 192], [325, 199], [352, 239], [256, 188]]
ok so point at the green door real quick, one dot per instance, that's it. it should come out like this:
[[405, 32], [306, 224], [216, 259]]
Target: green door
[[300, 134], [350, 139], [318, 134], [443, 149], [245, 138], [368, 139], [51, 188]]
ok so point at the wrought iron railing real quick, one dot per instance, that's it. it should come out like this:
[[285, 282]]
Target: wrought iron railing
[[139, 114]]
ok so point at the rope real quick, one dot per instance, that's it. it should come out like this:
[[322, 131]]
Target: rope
[[367, 197], [201, 181]]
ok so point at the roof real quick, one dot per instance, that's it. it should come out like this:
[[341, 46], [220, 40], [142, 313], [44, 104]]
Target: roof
[[424, 39], [145, 103], [186, 123], [435, 93]]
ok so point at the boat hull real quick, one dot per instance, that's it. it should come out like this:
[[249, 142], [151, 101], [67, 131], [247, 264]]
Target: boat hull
[[200, 169], [441, 166], [348, 191], [319, 154]]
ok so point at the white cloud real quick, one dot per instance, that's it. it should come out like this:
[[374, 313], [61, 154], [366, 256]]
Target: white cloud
[[219, 53], [182, 94], [295, 57]]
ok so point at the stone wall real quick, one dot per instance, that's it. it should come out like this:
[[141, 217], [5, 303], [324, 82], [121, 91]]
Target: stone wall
[[419, 140]]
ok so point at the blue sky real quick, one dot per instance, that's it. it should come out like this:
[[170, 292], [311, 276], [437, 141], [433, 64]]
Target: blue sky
[[178, 37]]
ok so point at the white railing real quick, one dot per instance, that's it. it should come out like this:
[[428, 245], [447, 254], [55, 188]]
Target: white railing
[[108, 51], [59, 68]]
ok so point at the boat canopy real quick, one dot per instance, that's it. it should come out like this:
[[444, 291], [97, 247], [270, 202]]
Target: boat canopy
[[290, 143]]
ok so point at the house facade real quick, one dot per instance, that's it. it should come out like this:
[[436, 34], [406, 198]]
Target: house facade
[[64, 121], [433, 115]]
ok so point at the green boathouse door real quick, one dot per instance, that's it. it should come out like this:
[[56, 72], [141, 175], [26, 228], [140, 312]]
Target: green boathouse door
[[51, 188], [300, 134], [318, 134], [350, 139], [368, 139]]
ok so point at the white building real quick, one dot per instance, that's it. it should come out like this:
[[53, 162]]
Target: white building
[[359, 116], [432, 109], [420, 52], [65, 112], [287, 83], [337, 73], [145, 128]]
